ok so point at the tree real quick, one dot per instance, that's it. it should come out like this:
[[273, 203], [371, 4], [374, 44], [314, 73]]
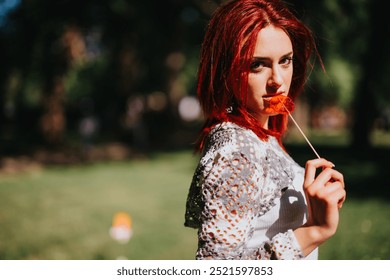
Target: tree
[[372, 84]]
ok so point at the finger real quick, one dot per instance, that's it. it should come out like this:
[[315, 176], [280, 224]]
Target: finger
[[342, 199], [329, 175], [341, 195], [341, 203], [333, 194], [311, 168]]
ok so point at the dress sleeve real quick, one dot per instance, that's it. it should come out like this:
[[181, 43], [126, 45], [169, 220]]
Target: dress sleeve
[[234, 195]]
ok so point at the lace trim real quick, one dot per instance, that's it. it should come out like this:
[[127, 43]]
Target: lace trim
[[283, 246]]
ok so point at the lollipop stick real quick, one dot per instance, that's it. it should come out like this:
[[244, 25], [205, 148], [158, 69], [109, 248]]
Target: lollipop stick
[[303, 134]]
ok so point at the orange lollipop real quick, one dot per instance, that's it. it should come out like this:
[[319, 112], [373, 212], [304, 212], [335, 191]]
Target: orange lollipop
[[279, 104]]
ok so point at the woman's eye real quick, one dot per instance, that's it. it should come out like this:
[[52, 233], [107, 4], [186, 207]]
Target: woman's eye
[[257, 65], [286, 61]]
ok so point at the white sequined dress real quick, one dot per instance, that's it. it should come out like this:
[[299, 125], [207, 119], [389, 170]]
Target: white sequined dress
[[246, 198]]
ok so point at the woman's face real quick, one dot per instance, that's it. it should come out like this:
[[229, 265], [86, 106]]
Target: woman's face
[[271, 71]]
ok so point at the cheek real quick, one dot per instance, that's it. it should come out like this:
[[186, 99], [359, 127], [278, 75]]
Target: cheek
[[256, 89], [255, 82], [254, 100], [288, 78]]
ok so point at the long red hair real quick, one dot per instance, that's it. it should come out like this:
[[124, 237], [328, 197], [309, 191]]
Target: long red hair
[[225, 58]]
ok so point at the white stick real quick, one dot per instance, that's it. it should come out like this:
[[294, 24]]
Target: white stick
[[303, 134]]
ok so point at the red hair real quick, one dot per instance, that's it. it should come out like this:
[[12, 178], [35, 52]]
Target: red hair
[[225, 57]]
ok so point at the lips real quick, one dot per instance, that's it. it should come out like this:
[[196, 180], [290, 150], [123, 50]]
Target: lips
[[273, 94]]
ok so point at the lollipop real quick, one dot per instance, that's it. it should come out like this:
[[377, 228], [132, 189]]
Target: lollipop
[[279, 104], [284, 105]]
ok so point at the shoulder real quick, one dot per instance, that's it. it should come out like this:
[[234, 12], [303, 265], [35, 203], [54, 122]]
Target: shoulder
[[229, 138]]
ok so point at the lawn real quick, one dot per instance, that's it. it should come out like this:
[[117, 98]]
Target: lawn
[[66, 212]]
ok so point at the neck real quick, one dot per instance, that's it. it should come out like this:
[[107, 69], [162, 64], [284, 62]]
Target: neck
[[263, 120]]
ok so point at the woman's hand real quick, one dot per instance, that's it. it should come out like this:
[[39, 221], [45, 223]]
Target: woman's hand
[[325, 195]]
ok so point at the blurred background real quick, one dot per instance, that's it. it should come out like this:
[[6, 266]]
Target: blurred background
[[98, 116]]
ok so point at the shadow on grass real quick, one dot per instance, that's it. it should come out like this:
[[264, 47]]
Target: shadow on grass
[[366, 172]]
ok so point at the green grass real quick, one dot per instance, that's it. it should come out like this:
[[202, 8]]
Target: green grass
[[363, 232], [66, 212]]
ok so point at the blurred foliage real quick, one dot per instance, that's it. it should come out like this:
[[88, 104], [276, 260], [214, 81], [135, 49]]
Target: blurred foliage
[[127, 64]]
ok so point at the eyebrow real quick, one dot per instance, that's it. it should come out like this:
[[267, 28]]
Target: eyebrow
[[267, 58]]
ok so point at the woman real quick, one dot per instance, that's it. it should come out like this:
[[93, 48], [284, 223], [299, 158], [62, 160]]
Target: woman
[[248, 198]]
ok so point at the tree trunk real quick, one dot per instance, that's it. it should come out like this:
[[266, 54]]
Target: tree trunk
[[53, 121], [365, 104]]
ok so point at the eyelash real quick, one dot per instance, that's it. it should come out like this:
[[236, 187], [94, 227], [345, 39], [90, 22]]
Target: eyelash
[[288, 60], [258, 65]]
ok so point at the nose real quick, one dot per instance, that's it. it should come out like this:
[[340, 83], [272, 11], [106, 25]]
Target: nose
[[275, 79]]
